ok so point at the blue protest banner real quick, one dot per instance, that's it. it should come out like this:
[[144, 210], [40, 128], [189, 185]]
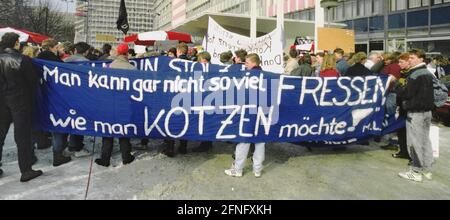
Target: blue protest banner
[[178, 99]]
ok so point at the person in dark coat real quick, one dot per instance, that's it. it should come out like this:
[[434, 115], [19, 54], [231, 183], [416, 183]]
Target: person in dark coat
[[304, 68], [49, 51], [59, 140], [169, 145], [18, 82], [358, 69], [403, 62]]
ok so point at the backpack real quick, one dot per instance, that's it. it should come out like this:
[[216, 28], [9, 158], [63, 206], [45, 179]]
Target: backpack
[[440, 93]]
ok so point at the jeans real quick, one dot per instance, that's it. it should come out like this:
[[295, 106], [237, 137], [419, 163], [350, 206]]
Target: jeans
[[418, 140], [59, 142]]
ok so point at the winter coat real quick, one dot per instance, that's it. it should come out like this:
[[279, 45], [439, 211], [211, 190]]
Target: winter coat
[[122, 62], [342, 67], [303, 70], [18, 79], [291, 65], [392, 69], [48, 55], [329, 73], [358, 70], [418, 95], [76, 58]]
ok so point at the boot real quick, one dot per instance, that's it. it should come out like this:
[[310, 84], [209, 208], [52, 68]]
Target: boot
[[59, 159], [169, 148], [182, 149], [1, 172], [128, 160], [102, 162], [204, 147], [29, 175], [44, 143]]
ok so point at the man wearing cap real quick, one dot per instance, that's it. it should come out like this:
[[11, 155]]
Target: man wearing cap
[[120, 62]]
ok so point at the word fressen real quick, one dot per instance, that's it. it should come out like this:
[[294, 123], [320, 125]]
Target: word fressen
[[357, 90]]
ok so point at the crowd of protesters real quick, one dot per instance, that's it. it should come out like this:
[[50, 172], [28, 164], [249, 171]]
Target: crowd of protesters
[[412, 85]]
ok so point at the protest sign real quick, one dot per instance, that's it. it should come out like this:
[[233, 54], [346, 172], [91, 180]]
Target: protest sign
[[269, 47], [179, 99]]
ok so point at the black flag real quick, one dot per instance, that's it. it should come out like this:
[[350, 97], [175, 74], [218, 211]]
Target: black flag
[[122, 21]]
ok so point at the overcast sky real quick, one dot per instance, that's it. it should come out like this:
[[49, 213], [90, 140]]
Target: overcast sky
[[65, 5]]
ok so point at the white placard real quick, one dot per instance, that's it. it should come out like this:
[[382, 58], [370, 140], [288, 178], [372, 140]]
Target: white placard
[[434, 136], [269, 47]]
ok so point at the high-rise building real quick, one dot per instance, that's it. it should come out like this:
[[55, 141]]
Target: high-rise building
[[163, 11], [101, 16], [175, 12]]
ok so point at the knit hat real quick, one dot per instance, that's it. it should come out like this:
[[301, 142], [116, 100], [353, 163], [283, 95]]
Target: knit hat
[[122, 49]]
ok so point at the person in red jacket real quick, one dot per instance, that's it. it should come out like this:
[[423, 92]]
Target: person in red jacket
[[391, 66], [329, 67]]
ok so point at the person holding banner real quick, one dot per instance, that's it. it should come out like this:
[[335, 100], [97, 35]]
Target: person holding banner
[[18, 82], [59, 140], [76, 141], [169, 145], [403, 62], [226, 58], [121, 62], [204, 57], [252, 62], [240, 56]]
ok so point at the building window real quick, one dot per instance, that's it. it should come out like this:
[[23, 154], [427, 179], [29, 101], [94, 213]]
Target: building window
[[396, 21], [376, 23], [349, 9], [361, 25], [349, 24], [376, 46], [418, 3], [418, 18], [398, 5], [377, 6], [440, 15]]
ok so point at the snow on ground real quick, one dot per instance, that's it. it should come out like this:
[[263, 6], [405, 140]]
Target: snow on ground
[[291, 172]]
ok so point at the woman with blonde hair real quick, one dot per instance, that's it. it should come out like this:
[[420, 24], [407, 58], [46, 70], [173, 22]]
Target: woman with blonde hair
[[358, 68], [31, 51], [328, 68]]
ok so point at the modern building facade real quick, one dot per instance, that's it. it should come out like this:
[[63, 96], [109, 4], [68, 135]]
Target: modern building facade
[[185, 9], [391, 25], [101, 17], [379, 25]]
